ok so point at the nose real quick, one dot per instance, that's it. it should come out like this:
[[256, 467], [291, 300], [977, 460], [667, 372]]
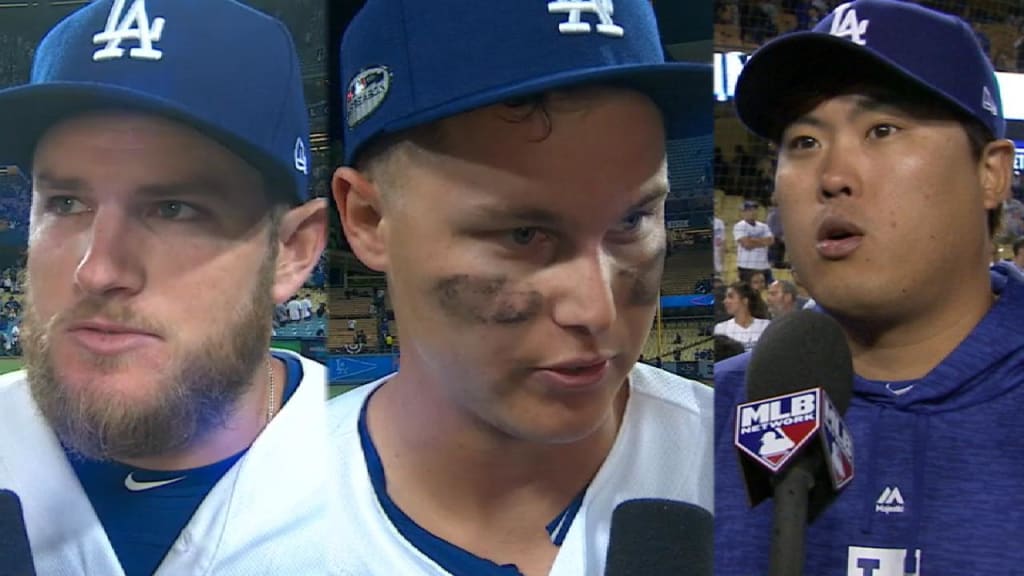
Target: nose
[[839, 176], [112, 262], [587, 301]]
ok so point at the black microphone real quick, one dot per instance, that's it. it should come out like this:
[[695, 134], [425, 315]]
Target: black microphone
[[655, 537], [793, 443], [15, 553]]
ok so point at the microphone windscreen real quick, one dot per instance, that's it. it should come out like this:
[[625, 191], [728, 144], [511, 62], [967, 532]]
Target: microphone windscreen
[[801, 350], [656, 537], [15, 552]]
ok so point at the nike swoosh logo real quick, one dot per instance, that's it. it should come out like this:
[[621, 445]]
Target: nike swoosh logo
[[135, 486]]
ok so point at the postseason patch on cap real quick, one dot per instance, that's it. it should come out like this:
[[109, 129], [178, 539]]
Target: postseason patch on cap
[[366, 92]]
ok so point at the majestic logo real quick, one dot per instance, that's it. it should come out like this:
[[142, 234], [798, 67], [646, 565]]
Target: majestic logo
[[300, 156], [774, 429], [846, 25], [136, 486], [890, 501], [134, 25], [366, 92], [603, 9], [988, 102]]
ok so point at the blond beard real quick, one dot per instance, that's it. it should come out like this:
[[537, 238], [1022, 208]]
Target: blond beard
[[194, 397]]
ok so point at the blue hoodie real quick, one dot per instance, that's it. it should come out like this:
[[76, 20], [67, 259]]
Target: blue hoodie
[[939, 468]]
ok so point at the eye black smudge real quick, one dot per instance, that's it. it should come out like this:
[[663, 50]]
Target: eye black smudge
[[646, 279], [486, 300]]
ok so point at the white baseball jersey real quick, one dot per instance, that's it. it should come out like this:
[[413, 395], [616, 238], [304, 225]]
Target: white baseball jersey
[[272, 513], [753, 258], [294, 310], [747, 336], [663, 450]]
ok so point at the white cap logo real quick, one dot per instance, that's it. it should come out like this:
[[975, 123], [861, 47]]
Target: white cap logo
[[300, 156], [135, 25], [846, 25], [988, 102], [574, 9]]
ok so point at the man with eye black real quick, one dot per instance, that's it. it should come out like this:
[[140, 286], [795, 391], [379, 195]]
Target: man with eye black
[[506, 169], [154, 431], [892, 170]]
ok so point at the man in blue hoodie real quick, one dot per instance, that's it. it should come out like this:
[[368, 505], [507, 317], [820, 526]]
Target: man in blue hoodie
[[891, 172]]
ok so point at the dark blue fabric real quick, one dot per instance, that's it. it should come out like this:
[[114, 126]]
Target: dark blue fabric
[[949, 442], [143, 525]]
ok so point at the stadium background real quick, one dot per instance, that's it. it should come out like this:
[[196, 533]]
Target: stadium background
[[744, 163]]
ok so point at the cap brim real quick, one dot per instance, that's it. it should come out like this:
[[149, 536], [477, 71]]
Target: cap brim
[[28, 111], [682, 91], [789, 68]]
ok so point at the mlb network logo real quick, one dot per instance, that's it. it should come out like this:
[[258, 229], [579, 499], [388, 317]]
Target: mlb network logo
[[773, 429]]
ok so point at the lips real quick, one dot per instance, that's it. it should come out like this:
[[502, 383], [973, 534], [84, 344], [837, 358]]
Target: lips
[[838, 238], [105, 338], [576, 374]]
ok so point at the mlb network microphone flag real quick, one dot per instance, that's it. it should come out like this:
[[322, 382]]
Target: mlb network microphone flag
[[771, 432]]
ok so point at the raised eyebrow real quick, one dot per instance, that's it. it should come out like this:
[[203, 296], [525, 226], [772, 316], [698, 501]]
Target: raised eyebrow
[[807, 120], [657, 193], [194, 188], [50, 181], [862, 105]]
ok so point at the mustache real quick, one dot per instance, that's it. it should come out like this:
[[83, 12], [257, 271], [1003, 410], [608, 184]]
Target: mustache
[[93, 308]]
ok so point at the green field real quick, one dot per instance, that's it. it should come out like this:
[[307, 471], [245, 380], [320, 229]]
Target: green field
[[9, 365]]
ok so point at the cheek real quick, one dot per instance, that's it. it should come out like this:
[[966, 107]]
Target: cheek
[[643, 280], [479, 300]]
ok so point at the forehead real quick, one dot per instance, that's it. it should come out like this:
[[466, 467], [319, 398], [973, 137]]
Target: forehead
[[147, 149], [600, 140]]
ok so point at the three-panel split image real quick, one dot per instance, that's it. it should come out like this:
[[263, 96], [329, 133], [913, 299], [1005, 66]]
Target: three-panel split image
[[522, 288]]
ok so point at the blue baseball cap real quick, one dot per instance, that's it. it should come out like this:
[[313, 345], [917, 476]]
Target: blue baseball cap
[[890, 39], [409, 63], [225, 69]]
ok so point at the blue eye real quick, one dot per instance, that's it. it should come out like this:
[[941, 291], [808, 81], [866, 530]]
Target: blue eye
[[65, 205], [175, 210], [634, 220], [523, 236]]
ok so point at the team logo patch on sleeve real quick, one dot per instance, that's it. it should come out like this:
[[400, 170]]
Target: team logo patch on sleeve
[[133, 25], [366, 92]]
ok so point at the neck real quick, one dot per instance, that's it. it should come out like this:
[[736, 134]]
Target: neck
[[441, 461], [743, 318], [908, 349], [240, 429]]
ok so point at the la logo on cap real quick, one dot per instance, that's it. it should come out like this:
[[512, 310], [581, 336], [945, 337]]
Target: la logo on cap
[[603, 9], [134, 25], [846, 25]]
